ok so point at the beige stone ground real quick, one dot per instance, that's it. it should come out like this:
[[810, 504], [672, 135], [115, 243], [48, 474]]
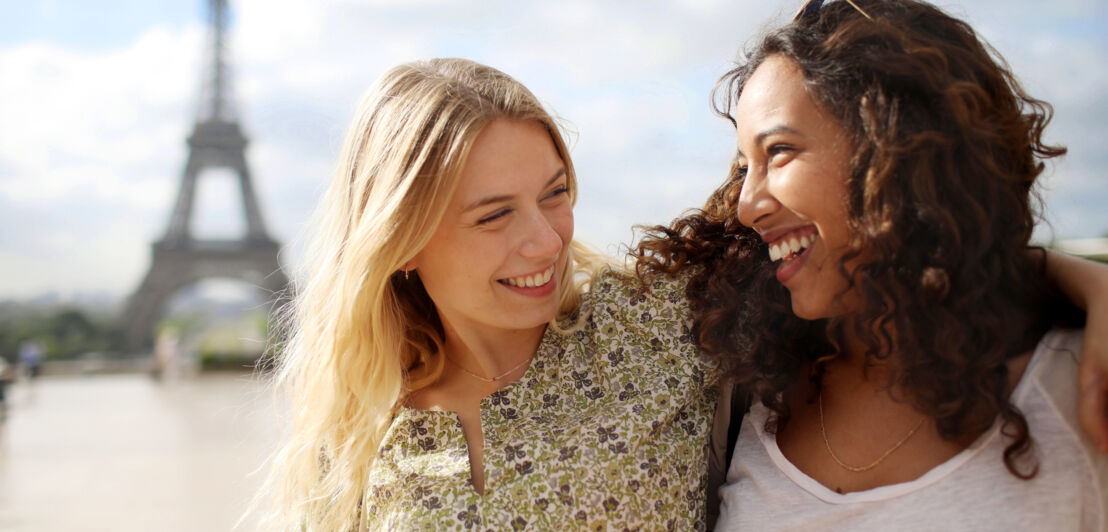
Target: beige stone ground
[[127, 453]]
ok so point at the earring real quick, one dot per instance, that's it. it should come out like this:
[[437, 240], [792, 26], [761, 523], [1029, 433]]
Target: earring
[[406, 272]]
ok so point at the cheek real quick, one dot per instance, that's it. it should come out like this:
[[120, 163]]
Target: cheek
[[562, 222], [797, 187], [816, 195], [832, 217], [460, 274], [450, 258]]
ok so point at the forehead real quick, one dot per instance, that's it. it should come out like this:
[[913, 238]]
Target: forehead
[[775, 99], [776, 87], [508, 155]]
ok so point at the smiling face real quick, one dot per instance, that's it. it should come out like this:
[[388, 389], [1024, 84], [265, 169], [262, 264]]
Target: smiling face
[[796, 158], [495, 261]]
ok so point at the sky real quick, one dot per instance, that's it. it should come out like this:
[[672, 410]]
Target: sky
[[97, 98]]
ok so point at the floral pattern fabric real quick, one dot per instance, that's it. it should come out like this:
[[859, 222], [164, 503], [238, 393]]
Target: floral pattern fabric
[[607, 430]]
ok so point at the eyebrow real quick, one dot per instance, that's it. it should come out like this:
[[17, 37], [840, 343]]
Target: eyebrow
[[773, 131], [505, 197]]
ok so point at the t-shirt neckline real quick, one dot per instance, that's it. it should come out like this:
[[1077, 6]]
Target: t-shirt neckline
[[759, 413]]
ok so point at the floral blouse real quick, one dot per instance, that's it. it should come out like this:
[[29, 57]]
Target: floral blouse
[[607, 430]]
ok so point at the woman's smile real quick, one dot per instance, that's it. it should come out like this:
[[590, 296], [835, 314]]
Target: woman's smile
[[539, 284]]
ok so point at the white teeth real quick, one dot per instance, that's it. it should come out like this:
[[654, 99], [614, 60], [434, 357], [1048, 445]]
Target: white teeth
[[531, 281], [789, 247]]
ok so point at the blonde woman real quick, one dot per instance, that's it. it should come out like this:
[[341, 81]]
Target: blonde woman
[[428, 391]]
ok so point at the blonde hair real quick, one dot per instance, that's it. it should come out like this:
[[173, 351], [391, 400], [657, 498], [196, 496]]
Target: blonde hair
[[362, 335]]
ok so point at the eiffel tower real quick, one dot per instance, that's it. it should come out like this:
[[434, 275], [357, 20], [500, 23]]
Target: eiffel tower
[[180, 259]]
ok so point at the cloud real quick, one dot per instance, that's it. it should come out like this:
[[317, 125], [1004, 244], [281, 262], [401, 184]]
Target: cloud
[[1057, 54], [93, 143], [631, 81]]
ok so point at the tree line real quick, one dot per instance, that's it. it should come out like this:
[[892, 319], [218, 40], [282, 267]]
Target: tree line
[[63, 334]]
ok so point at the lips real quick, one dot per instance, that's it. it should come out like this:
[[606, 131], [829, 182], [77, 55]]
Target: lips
[[790, 246], [531, 281]]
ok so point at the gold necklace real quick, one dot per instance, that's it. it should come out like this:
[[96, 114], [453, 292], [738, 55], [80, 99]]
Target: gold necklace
[[491, 379], [871, 465]]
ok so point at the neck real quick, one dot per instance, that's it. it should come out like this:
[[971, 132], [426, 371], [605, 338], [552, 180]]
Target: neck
[[490, 354], [853, 359], [850, 371]]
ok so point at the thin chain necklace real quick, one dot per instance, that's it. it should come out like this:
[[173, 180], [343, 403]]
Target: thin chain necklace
[[871, 465], [491, 379]]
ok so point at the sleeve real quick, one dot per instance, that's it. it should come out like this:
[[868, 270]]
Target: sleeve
[[656, 310], [1057, 377]]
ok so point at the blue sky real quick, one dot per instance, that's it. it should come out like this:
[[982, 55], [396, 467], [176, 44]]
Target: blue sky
[[92, 25], [97, 98]]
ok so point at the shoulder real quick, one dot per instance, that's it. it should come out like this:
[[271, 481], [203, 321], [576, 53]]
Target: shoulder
[[616, 288], [618, 305], [1052, 372], [621, 310], [1053, 366], [1063, 341], [1048, 396]]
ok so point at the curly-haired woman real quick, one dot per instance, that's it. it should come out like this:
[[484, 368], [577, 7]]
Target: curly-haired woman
[[886, 164]]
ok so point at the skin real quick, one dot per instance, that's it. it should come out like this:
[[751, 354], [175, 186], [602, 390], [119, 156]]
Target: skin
[[795, 163], [796, 166], [509, 218]]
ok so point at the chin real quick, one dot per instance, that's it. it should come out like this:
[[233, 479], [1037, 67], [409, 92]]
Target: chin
[[807, 311], [537, 320]]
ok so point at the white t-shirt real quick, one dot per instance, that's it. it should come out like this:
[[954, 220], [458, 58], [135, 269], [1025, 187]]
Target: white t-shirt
[[971, 491]]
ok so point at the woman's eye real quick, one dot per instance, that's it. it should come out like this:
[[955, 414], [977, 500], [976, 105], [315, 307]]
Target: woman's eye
[[558, 192], [494, 216], [738, 172], [779, 149]]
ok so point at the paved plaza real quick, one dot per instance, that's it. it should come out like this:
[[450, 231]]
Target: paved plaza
[[127, 453]]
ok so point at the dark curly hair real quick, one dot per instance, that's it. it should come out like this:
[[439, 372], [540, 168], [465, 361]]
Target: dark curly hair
[[940, 197]]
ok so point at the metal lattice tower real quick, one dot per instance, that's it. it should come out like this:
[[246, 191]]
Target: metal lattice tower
[[179, 259]]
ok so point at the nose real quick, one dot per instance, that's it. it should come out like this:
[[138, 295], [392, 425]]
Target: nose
[[541, 238], [755, 201]]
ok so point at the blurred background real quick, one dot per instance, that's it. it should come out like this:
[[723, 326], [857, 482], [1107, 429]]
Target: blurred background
[[97, 100]]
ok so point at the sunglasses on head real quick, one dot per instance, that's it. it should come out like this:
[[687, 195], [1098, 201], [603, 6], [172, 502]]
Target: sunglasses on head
[[812, 7]]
